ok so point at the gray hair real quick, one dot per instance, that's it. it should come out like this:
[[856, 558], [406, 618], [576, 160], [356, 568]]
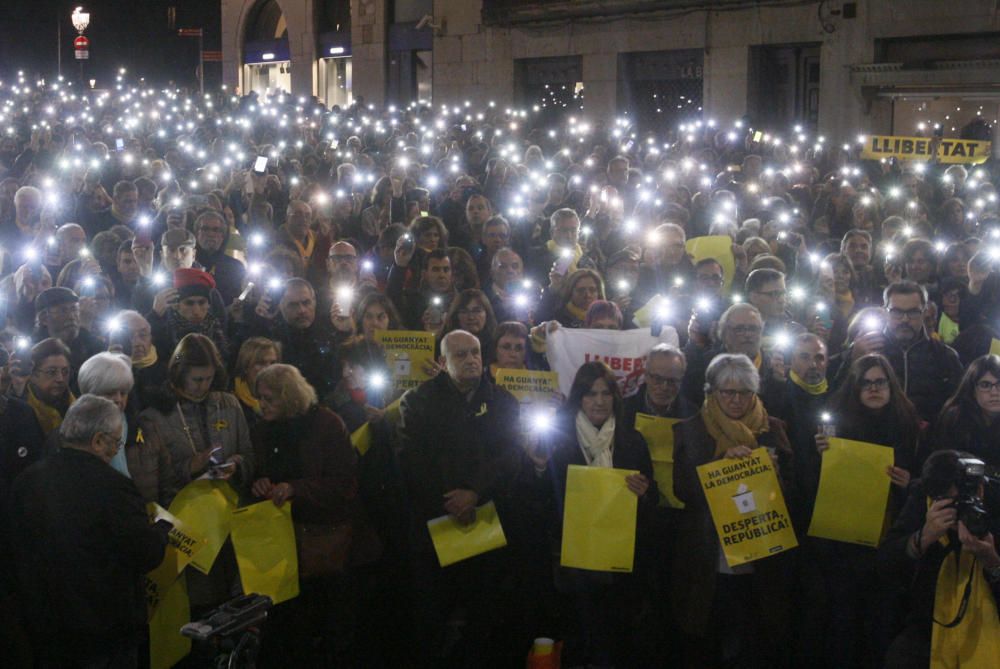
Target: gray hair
[[89, 416], [742, 306], [105, 373], [560, 214], [445, 342], [731, 367], [26, 191], [128, 316], [667, 351]]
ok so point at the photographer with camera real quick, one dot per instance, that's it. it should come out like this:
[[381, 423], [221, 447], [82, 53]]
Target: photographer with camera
[[943, 552]]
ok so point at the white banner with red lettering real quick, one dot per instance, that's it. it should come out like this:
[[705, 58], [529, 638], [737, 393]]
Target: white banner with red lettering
[[624, 351]]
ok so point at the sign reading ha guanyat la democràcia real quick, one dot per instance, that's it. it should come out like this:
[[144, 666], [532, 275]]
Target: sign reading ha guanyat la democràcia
[[921, 148], [747, 507]]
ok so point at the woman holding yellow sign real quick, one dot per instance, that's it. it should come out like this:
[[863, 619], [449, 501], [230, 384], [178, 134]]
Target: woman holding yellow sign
[[730, 615], [591, 432]]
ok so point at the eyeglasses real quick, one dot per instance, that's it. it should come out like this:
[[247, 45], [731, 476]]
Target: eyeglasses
[[772, 294], [734, 394], [54, 372], [207, 229], [874, 384], [986, 386], [343, 257], [474, 311], [657, 380], [908, 314], [710, 278]]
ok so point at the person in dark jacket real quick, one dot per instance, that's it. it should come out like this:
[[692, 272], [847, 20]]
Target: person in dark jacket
[[58, 315], [928, 550], [970, 420], [82, 543], [304, 454], [212, 232], [591, 431], [21, 438], [708, 594], [928, 370], [460, 449]]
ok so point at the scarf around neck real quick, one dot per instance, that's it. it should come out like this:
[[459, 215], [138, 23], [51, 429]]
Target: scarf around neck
[[556, 250], [596, 444], [811, 388], [49, 417], [728, 432], [147, 360], [307, 250], [243, 394]]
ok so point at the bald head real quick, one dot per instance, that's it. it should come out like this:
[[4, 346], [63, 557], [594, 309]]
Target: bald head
[[463, 358]]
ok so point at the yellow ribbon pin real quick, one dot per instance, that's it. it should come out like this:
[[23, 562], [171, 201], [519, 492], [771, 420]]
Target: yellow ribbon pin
[[221, 425]]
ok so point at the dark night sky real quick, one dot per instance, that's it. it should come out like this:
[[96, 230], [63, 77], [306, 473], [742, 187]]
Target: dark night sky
[[129, 33]]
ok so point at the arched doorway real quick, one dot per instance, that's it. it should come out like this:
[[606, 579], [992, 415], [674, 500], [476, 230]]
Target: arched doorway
[[267, 63], [333, 34]]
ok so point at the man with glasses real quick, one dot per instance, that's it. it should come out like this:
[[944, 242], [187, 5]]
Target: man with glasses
[[343, 272], [667, 267], [48, 392], [211, 232], [82, 543], [765, 289], [660, 394], [928, 370], [57, 313], [510, 299]]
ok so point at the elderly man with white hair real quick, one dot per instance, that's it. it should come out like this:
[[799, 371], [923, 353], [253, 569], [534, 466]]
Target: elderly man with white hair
[[460, 450], [83, 543], [27, 214]]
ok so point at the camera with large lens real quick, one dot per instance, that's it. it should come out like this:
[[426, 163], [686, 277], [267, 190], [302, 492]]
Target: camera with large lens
[[968, 502]]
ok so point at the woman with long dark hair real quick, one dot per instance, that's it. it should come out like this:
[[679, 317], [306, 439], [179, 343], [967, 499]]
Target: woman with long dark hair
[[970, 419]]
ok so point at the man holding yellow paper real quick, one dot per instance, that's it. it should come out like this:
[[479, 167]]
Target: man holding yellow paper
[[707, 591], [611, 533]]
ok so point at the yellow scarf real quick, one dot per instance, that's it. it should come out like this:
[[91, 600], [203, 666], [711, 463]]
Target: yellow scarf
[[758, 360], [811, 388], [555, 250], [975, 642], [947, 328], [845, 302], [729, 433], [243, 394], [307, 250], [48, 416], [576, 312], [146, 361]]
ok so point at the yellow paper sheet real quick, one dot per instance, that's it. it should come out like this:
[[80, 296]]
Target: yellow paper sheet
[[599, 520], [406, 351], [167, 646], [646, 314], [719, 247], [361, 438], [182, 546], [995, 347], [747, 507], [528, 385], [454, 542], [853, 492], [659, 435], [264, 541], [204, 507]]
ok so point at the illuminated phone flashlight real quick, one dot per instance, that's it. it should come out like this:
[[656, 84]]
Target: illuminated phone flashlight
[[814, 258], [623, 286], [736, 298], [344, 296], [703, 304], [22, 343], [84, 253], [940, 247], [436, 301], [114, 324], [255, 269], [30, 254], [376, 380], [798, 293], [872, 324], [51, 241], [367, 265], [678, 281], [541, 421], [586, 231], [159, 279], [890, 251], [521, 301], [257, 239], [826, 424], [782, 236], [782, 340], [274, 283], [295, 181]]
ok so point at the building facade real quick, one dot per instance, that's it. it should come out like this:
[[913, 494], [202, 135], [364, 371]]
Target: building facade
[[838, 66]]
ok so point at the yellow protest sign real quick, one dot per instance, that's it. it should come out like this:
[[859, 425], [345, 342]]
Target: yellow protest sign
[[406, 353], [747, 507], [599, 519], [528, 385], [454, 542], [204, 507], [949, 150], [853, 492], [167, 646], [647, 313], [659, 435], [264, 542], [719, 247], [361, 438], [182, 546], [995, 347]]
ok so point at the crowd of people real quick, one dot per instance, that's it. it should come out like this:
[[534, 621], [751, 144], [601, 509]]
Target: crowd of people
[[196, 286]]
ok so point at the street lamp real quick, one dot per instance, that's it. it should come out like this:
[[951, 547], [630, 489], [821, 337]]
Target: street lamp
[[81, 19]]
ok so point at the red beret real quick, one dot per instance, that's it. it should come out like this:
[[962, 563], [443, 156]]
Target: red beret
[[190, 281]]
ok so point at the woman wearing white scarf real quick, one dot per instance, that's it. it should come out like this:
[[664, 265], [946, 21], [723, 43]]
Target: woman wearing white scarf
[[592, 432]]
